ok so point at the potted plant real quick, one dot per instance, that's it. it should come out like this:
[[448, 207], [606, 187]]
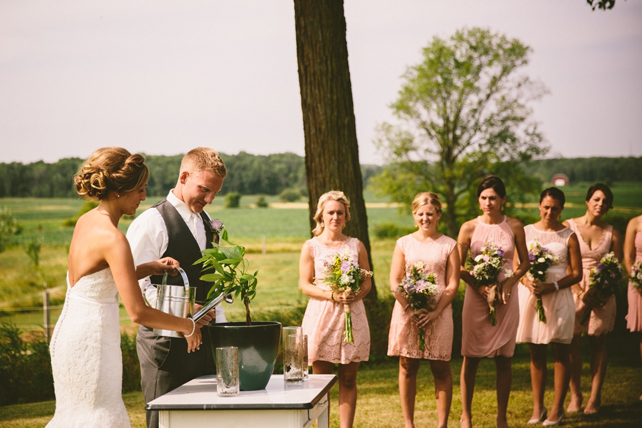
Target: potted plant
[[257, 342]]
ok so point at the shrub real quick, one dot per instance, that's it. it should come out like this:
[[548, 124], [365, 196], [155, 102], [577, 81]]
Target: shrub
[[290, 195], [131, 365], [25, 368], [233, 200], [261, 202], [86, 207], [8, 228], [391, 230]]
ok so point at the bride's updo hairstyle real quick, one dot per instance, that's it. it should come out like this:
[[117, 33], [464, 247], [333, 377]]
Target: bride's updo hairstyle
[[110, 169], [426, 198], [332, 195]]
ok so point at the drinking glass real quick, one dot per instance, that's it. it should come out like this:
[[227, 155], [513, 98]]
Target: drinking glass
[[293, 358], [227, 371], [305, 357]]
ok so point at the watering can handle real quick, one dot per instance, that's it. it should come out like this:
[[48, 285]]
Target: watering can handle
[[183, 274]]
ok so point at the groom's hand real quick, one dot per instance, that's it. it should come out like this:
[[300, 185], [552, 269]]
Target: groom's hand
[[208, 318]]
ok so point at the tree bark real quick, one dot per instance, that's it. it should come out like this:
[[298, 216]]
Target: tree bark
[[331, 148]]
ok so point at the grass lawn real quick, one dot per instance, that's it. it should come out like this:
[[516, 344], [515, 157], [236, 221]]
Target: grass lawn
[[378, 403]]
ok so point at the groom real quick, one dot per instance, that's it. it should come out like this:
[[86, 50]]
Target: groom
[[177, 227]]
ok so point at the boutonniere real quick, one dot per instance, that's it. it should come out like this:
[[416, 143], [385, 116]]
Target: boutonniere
[[217, 227]]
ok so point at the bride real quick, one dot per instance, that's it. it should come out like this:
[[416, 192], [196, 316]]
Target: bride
[[85, 347]]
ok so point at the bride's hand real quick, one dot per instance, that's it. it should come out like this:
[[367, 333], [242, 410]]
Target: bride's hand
[[195, 341]]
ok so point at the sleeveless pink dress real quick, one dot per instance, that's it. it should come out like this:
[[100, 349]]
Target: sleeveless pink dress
[[602, 319], [324, 320], [634, 317], [558, 306], [479, 337], [403, 339]]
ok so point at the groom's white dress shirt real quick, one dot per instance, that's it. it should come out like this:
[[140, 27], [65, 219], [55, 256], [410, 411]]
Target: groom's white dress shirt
[[148, 239]]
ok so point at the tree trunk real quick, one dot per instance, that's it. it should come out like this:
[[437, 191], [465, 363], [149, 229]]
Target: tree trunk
[[331, 149]]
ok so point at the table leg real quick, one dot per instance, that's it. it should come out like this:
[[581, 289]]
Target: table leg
[[324, 418]]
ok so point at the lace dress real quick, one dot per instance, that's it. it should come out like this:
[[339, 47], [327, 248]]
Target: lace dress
[[558, 306], [86, 357], [324, 320], [602, 319], [403, 339], [479, 337], [634, 317]]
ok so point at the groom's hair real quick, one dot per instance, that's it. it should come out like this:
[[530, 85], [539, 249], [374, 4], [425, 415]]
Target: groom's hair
[[203, 159]]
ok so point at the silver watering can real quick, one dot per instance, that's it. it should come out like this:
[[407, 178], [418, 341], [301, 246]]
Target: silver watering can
[[177, 300]]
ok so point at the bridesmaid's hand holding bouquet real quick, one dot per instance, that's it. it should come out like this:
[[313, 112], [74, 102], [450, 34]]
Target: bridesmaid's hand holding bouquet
[[486, 269], [344, 276], [604, 280], [636, 276], [419, 288], [541, 259]]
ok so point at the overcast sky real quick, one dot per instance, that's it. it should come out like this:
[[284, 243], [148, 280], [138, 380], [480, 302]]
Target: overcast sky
[[162, 77]]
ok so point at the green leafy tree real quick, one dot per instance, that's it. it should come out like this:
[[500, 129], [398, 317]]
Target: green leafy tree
[[463, 113], [8, 228]]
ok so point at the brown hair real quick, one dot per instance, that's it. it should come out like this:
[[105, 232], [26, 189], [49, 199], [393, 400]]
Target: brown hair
[[332, 195], [110, 169], [203, 159], [602, 188], [425, 198], [492, 182]]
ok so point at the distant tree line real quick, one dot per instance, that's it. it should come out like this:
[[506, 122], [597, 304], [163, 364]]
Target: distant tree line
[[247, 174], [596, 169]]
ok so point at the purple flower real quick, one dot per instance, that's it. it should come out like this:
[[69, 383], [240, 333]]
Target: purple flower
[[216, 224], [345, 266], [531, 256], [500, 253], [600, 266]]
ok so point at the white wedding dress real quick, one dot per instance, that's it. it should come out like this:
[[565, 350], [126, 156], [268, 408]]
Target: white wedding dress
[[86, 356]]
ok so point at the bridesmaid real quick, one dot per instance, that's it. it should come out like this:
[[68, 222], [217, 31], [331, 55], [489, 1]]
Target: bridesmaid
[[479, 337], [632, 254], [438, 253], [324, 317], [557, 300], [596, 239]]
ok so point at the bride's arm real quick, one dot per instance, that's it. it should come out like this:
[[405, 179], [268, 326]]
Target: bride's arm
[[119, 257]]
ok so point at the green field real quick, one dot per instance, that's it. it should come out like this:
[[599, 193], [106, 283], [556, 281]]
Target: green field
[[378, 402]]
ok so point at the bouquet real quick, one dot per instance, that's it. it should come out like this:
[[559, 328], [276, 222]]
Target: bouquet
[[345, 276], [541, 259], [636, 276], [486, 269], [603, 281], [421, 291]]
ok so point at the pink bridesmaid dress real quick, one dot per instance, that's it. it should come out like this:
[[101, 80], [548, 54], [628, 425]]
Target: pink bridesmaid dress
[[479, 337], [602, 319], [403, 339], [324, 320], [559, 308], [634, 317]]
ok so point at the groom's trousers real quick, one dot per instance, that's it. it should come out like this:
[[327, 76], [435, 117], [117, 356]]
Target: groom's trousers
[[165, 365]]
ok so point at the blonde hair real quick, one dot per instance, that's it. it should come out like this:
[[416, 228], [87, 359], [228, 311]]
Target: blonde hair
[[426, 198], [110, 169], [203, 159], [332, 195]]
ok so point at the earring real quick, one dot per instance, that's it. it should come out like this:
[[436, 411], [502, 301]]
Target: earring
[[117, 195]]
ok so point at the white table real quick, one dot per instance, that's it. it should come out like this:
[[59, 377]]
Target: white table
[[196, 404]]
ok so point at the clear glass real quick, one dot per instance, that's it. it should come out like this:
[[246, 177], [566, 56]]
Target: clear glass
[[305, 357], [227, 371], [293, 358]]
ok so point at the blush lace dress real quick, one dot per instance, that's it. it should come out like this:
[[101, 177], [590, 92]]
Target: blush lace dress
[[479, 337], [634, 317], [559, 308], [86, 357], [403, 339], [324, 320], [602, 319]]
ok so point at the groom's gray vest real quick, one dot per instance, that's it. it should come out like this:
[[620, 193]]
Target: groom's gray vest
[[164, 362]]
